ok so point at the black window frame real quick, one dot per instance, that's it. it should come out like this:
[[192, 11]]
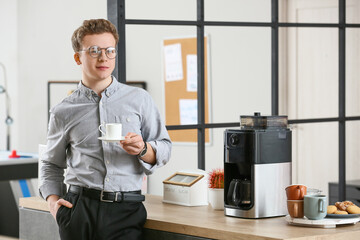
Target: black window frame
[[116, 14]]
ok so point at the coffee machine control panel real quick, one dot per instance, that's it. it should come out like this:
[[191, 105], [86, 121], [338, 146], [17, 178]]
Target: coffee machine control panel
[[239, 146], [234, 139]]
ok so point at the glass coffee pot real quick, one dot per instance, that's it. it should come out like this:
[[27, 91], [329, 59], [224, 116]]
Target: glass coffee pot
[[239, 192]]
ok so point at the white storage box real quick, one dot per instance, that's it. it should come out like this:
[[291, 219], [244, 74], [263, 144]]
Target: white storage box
[[187, 188]]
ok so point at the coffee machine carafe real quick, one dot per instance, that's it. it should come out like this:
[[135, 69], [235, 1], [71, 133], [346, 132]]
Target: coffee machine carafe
[[257, 167], [239, 192]]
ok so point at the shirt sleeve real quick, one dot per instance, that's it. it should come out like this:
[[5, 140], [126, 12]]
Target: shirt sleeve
[[53, 161], [154, 132]]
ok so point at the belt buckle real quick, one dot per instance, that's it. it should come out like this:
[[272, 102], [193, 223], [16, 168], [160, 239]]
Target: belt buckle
[[102, 195]]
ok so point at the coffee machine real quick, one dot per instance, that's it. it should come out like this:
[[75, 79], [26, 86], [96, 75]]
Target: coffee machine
[[257, 167]]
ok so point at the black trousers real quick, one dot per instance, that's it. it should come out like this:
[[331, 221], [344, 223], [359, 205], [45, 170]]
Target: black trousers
[[92, 219]]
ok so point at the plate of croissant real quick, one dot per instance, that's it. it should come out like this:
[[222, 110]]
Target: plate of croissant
[[345, 209]]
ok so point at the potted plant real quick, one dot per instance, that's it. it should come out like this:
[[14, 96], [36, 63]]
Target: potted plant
[[216, 188]]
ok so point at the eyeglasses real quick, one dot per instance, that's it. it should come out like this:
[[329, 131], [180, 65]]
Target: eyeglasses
[[95, 51]]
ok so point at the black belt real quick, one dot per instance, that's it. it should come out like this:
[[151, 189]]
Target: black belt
[[104, 196]]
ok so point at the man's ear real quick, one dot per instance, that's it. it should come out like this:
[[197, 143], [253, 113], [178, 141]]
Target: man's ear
[[77, 58]]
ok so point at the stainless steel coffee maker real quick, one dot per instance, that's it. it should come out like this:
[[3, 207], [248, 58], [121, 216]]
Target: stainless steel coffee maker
[[257, 167]]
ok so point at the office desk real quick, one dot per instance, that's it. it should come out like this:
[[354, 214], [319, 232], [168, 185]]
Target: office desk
[[174, 222], [18, 168], [13, 169]]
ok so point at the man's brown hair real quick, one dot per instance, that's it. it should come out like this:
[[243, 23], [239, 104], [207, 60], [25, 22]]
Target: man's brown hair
[[92, 26]]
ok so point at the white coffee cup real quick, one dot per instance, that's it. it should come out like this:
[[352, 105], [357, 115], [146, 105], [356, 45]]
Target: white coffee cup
[[112, 130]]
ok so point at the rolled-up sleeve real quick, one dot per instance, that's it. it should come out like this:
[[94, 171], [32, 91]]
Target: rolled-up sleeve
[[53, 161], [154, 132]]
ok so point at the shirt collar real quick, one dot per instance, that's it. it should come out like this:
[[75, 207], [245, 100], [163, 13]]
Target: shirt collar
[[112, 87], [108, 91]]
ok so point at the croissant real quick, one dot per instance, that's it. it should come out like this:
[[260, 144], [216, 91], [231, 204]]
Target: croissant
[[342, 206]]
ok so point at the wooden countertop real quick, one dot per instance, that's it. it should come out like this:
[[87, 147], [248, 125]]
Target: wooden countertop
[[203, 221]]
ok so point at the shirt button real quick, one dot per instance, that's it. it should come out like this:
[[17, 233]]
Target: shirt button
[[107, 162], [107, 179], [128, 119]]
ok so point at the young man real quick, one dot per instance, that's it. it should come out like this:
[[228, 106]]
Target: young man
[[104, 199]]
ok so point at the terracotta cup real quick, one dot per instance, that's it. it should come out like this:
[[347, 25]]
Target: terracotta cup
[[295, 208], [295, 192]]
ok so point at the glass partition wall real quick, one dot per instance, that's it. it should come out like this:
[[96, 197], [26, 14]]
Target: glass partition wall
[[281, 57]]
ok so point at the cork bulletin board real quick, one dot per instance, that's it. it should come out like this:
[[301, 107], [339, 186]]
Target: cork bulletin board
[[180, 84]]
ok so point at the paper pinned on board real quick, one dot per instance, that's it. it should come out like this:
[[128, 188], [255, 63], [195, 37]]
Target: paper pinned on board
[[173, 62], [191, 72], [188, 111]]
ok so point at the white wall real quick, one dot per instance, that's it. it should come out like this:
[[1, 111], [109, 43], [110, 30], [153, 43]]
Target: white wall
[[44, 53], [9, 57]]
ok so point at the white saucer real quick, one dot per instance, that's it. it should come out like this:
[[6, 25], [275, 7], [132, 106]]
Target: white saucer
[[111, 139]]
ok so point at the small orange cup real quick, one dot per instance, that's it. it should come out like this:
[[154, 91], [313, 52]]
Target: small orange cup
[[295, 192], [295, 208]]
